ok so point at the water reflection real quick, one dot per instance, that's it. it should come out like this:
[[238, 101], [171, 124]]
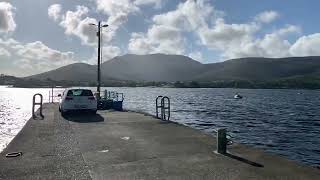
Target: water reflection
[[285, 122]]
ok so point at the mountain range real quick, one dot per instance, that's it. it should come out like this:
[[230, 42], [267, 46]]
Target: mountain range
[[171, 68]]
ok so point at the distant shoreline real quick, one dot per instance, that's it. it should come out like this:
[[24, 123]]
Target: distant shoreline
[[305, 82], [284, 88]]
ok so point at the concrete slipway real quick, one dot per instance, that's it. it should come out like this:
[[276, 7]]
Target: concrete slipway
[[128, 145]]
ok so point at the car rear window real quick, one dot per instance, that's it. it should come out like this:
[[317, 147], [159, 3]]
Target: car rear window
[[79, 92]]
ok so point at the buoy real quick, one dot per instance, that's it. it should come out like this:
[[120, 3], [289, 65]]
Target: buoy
[[237, 96]]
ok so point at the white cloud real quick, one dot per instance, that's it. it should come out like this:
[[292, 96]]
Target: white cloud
[[139, 44], [232, 40], [39, 51], [34, 57], [156, 3], [267, 16], [189, 15], [86, 32], [7, 23], [108, 52], [271, 45], [306, 46], [224, 36], [196, 55], [77, 22], [165, 35], [4, 52], [158, 39], [74, 24], [72, 19], [112, 7], [288, 30], [54, 12], [117, 10]]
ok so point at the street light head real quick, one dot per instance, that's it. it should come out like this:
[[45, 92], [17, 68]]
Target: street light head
[[106, 25], [92, 24]]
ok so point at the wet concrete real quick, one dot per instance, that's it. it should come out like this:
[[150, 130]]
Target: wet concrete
[[127, 145]]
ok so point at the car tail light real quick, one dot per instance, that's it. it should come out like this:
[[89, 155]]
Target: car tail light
[[69, 98], [91, 98]]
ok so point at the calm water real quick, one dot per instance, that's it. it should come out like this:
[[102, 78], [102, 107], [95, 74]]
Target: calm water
[[285, 122]]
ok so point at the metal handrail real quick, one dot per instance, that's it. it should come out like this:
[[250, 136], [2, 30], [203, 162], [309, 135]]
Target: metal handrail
[[163, 105], [164, 108], [113, 95], [34, 103], [122, 96], [53, 98], [158, 106]]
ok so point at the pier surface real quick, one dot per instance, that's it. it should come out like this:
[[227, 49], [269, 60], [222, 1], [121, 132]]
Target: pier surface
[[127, 145]]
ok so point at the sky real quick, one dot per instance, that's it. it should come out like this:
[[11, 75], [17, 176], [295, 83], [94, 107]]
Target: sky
[[41, 35]]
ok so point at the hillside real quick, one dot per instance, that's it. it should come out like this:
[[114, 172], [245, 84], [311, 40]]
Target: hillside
[[171, 68], [261, 69], [71, 72], [154, 67]]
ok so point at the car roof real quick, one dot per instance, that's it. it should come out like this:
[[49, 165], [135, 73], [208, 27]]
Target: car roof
[[67, 89]]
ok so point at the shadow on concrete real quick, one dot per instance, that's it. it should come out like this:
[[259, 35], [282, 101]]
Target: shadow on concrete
[[167, 122], [83, 117], [243, 160], [38, 117]]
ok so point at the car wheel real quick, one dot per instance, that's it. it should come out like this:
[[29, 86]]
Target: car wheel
[[63, 113], [94, 112]]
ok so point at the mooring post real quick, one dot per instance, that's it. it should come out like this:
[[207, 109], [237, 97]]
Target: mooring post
[[222, 141]]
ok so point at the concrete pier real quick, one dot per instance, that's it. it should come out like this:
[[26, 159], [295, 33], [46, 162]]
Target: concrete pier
[[127, 145]]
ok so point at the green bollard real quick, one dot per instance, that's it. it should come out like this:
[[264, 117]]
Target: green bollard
[[222, 141]]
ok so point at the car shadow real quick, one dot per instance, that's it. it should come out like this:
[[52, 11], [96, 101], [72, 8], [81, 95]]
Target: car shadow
[[81, 117], [243, 160]]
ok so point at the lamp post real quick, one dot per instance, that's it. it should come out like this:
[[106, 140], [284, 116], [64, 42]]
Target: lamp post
[[99, 53]]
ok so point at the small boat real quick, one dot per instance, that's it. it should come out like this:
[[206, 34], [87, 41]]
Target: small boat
[[237, 96]]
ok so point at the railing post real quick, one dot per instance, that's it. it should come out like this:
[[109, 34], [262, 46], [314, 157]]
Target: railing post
[[52, 94], [34, 103], [165, 105], [222, 141], [168, 107], [163, 111], [158, 106]]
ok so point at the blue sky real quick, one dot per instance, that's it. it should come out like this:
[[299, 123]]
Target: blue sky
[[40, 35]]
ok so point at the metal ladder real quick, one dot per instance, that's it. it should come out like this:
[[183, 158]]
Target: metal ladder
[[164, 107], [34, 103]]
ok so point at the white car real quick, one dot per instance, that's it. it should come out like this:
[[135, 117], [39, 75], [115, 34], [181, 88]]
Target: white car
[[77, 100]]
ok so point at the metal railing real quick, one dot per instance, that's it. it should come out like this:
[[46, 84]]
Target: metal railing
[[54, 94], [164, 108], [158, 106], [34, 103], [113, 95], [53, 98]]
